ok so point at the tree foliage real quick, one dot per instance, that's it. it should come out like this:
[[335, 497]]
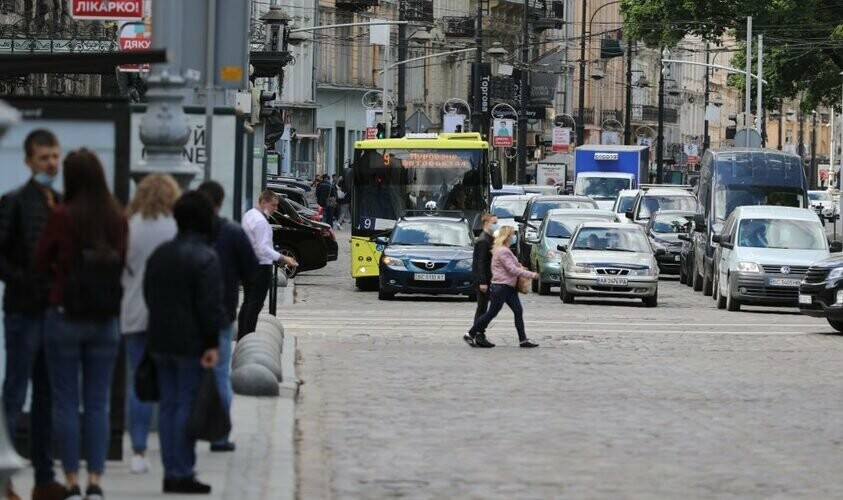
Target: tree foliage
[[803, 46]]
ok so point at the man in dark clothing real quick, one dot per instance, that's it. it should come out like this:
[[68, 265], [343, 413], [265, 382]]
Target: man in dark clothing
[[326, 197], [183, 289], [23, 214], [238, 263], [481, 266]]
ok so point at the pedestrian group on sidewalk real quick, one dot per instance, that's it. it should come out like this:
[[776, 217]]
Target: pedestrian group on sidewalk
[[80, 272]]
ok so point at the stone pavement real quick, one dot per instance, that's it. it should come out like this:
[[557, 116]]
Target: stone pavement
[[620, 401]]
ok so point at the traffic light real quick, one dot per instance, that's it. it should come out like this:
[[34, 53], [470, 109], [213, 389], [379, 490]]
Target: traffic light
[[260, 105], [381, 131], [273, 128], [731, 130]]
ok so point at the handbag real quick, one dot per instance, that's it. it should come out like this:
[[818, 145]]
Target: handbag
[[209, 419], [524, 285], [146, 380]]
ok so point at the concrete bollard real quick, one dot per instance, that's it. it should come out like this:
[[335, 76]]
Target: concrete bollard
[[269, 361], [274, 337], [273, 320], [267, 346], [254, 380]]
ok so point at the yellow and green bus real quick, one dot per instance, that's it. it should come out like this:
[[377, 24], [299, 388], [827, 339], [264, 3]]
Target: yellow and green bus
[[428, 172]]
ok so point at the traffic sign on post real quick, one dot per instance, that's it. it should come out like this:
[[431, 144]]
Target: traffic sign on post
[[107, 10], [561, 139], [502, 134]]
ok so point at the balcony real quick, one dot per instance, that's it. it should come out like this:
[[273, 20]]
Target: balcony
[[588, 116], [651, 114], [355, 5], [419, 11], [458, 27]]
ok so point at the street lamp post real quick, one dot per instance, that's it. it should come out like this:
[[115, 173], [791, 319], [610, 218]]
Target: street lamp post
[[665, 70], [477, 118], [401, 108], [706, 99], [812, 183], [627, 126], [581, 97], [524, 92]]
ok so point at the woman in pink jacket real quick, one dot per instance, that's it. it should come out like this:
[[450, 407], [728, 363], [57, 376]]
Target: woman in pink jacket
[[505, 273]]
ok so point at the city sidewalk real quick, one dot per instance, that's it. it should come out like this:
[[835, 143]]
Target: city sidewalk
[[262, 466]]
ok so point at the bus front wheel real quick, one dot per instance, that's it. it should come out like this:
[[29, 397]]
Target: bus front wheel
[[367, 284]]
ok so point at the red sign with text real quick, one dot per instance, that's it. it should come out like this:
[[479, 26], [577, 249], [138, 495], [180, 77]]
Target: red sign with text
[[134, 37], [119, 10], [371, 132]]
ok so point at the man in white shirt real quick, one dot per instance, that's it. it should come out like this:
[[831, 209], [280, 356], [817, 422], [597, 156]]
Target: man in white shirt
[[256, 224]]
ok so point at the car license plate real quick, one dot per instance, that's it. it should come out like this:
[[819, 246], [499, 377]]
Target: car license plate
[[603, 280], [806, 299], [783, 282], [429, 277], [676, 258]]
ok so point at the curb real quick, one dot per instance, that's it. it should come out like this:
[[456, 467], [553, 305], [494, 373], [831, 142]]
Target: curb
[[283, 483], [289, 386], [286, 298]]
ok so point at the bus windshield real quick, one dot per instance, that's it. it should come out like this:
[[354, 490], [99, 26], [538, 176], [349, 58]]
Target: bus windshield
[[387, 183], [727, 198], [601, 188]]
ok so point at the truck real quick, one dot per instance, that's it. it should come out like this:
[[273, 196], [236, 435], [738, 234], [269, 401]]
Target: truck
[[603, 171]]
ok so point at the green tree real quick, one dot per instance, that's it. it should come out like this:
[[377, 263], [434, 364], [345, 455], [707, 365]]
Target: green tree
[[803, 39]]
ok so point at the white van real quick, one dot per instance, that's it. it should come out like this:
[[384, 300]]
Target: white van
[[764, 252]]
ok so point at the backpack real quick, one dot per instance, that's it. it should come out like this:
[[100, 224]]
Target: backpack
[[92, 288]]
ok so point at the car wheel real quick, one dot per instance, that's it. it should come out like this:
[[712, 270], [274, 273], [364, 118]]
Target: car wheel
[[564, 296], [651, 301], [367, 284], [534, 285], [544, 288], [683, 278], [732, 304], [291, 272], [706, 284], [697, 279], [382, 295], [837, 325], [718, 297]]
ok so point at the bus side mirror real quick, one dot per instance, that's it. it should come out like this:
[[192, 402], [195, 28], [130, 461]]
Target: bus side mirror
[[495, 173]]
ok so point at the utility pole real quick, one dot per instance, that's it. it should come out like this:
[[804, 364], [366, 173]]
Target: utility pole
[[477, 112], [781, 117], [801, 134], [759, 108], [401, 108], [706, 100], [627, 125], [665, 54], [748, 90], [812, 182], [581, 112], [521, 176]]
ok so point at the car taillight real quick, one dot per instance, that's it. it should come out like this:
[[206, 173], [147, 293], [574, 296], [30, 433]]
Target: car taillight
[[326, 231]]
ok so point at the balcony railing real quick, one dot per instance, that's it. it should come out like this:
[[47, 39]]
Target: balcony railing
[[458, 27], [588, 116], [356, 5], [651, 114], [419, 11]]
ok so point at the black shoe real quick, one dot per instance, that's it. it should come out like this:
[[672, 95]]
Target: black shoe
[[94, 492], [72, 493], [469, 339], [480, 341], [226, 446], [528, 343], [187, 485]]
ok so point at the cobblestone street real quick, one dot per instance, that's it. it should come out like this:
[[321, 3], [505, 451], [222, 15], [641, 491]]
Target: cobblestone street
[[620, 401]]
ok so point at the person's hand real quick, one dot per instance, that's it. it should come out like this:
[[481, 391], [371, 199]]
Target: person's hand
[[484, 288], [535, 276], [290, 261], [210, 358]]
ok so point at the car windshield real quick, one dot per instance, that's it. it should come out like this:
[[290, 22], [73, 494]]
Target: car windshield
[[819, 196], [540, 208], [653, 203], [600, 188], [611, 239], [672, 224], [729, 197], [508, 208], [781, 233], [450, 234], [562, 227], [625, 203]]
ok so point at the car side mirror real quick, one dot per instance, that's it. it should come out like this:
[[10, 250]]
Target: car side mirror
[[519, 219], [836, 247], [382, 240], [699, 223], [683, 237], [715, 238], [725, 241], [562, 248], [629, 215], [659, 252], [495, 174], [532, 241]]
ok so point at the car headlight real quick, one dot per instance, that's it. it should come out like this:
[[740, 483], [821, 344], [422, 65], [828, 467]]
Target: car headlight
[[837, 272], [649, 271], [748, 267], [585, 269], [551, 254], [393, 263], [463, 265]]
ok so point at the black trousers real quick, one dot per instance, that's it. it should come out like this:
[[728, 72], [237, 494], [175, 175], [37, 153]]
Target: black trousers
[[502, 294], [254, 295], [482, 303]]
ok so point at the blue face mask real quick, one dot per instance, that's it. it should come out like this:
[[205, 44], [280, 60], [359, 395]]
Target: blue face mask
[[494, 227], [514, 239], [44, 179]]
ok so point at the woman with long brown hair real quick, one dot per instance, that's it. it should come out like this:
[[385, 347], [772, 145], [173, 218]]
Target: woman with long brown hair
[[83, 247], [505, 273]]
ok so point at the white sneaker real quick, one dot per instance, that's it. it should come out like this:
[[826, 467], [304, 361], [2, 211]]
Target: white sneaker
[[139, 464]]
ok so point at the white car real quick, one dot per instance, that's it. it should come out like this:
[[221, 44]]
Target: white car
[[822, 202], [624, 202], [507, 207], [763, 253]]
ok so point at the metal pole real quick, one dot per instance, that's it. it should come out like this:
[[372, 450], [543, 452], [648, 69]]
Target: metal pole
[[387, 117], [801, 134], [477, 115], [706, 100], [781, 118], [209, 85], [401, 109], [813, 180], [660, 135], [627, 128], [759, 108], [524, 91], [581, 113], [748, 90]]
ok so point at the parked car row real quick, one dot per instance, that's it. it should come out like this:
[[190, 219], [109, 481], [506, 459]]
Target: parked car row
[[313, 244]]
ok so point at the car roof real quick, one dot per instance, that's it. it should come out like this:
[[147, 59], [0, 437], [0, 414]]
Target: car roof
[[514, 197], [509, 188], [432, 218], [776, 212], [609, 225], [666, 191], [284, 187], [627, 192], [607, 175], [675, 212], [561, 197], [580, 211]]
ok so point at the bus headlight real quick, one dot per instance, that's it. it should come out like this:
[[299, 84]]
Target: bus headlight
[[463, 265], [393, 263]]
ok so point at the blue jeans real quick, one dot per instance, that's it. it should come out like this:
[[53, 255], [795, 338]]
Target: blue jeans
[[89, 349], [25, 360], [178, 382], [140, 413], [223, 370], [500, 295]]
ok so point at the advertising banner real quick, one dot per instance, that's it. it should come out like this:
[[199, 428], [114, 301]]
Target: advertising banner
[[502, 133]]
